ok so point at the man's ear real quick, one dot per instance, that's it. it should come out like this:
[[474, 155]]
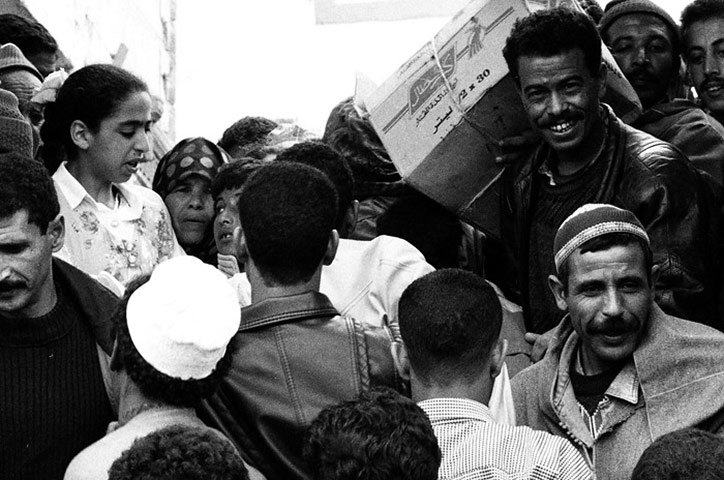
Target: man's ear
[[80, 134], [56, 230], [332, 245], [242, 252], [399, 357], [497, 357], [655, 274], [559, 292]]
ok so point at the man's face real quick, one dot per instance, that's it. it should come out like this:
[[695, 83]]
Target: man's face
[[641, 44], [26, 282], [561, 98], [705, 62], [226, 206], [608, 297]]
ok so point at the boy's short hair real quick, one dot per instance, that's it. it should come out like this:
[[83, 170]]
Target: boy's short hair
[[380, 436], [287, 211], [180, 452], [25, 184], [233, 175], [449, 320]]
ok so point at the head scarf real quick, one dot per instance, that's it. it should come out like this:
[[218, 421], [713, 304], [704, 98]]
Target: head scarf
[[192, 156]]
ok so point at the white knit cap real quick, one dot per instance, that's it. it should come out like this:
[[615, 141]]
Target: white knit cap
[[183, 318]]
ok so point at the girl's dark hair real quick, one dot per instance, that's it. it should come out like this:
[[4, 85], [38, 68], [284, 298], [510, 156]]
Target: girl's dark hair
[[90, 95]]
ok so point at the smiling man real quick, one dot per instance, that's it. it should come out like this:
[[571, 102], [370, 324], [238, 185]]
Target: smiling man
[[589, 155], [702, 30], [619, 372], [645, 42]]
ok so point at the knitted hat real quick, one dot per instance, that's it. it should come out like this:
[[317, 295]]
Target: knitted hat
[[196, 155], [183, 318], [590, 221], [619, 8], [12, 58], [16, 135]]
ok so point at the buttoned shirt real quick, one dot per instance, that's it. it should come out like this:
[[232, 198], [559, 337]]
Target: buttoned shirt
[[125, 241], [475, 447]]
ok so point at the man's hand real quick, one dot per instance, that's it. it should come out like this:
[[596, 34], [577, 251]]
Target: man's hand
[[516, 149], [540, 344]]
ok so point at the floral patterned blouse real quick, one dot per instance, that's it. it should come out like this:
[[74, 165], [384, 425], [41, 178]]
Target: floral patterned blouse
[[126, 241]]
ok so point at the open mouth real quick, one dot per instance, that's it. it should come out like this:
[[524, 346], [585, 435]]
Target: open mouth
[[562, 127], [713, 88]]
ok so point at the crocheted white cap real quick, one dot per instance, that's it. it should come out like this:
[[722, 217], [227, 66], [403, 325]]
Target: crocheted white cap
[[590, 221], [182, 319]]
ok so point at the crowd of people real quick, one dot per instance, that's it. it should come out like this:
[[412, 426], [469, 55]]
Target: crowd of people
[[282, 306]]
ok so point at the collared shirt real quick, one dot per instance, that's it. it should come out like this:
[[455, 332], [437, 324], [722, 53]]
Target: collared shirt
[[125, 241], [625, 387], [475, 447]]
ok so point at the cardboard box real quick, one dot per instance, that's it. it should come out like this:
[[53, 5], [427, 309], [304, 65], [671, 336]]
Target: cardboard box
[[441, 115]]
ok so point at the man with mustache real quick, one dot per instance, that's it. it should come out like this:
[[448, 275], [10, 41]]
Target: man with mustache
[[702, 32], [619, 372], [55, 333], [645, 42], [589, 156]]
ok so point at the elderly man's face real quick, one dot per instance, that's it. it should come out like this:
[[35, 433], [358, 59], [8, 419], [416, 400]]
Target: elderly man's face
[[608, 296], [26, 283], [561, 98], [704, 42], [642, 45]]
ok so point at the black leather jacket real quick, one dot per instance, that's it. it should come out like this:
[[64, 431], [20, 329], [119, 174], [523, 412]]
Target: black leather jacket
[[658, 184], [293, 356]]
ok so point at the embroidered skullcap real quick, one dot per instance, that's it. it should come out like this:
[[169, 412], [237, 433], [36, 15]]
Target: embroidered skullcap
[[182, 319], [590, 221], [16, 135], [618, 8], [12, 58], [191, 156]]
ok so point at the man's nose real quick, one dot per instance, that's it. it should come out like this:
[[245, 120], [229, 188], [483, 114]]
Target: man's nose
[[612, 303]]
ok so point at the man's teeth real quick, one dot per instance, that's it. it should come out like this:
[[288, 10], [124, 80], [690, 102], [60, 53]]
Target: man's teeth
[[562, 127], [713, 88]]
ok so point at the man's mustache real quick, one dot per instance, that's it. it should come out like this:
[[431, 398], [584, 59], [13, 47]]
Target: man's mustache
[[613, 326], [9, 285]]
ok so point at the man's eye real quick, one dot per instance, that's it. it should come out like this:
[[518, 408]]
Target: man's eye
[[128, 134], [696, 59]]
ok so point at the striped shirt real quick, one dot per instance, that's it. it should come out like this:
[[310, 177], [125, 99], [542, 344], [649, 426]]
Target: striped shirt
[[475, 447]]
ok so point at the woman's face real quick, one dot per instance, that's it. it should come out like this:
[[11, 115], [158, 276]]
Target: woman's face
[[122, 141], [191, 209]]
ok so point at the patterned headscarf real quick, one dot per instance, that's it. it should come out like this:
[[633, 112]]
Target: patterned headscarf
[[192, 156]]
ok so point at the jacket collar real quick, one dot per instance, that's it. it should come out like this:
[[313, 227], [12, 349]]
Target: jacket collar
[[291, 308]]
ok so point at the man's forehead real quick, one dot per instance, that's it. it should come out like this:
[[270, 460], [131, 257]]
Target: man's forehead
[[16, 226], [543, 68], [704, 32]]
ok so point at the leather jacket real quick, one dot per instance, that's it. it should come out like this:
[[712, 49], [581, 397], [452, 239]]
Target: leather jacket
[[292, 357], [672, 200]]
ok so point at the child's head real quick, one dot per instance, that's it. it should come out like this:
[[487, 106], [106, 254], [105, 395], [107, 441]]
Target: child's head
[[101, 113]]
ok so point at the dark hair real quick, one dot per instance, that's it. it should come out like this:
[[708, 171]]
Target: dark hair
[[233, 175], [604, 242], [28, 35], [180, 452], [287, 213], [449, 320], [686, 454], [26, 185], [427, 225], [700, 10], [354, 137], [593, 9], [244, 134], [322, 157], [547, 33], [380, 436], [155, 384], [90, 95]]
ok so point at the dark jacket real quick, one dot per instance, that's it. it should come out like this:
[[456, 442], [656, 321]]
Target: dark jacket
[[698, 135], [293, 356], [654, 180]]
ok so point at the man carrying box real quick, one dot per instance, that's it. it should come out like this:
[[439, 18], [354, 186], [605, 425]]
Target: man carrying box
[[589, 156]]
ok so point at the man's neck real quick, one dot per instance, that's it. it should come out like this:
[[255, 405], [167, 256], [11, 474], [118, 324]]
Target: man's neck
[[478, 391], [133, 401], [263, 288]]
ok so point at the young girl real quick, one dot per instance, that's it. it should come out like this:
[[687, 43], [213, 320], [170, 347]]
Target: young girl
[[96, 135]]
